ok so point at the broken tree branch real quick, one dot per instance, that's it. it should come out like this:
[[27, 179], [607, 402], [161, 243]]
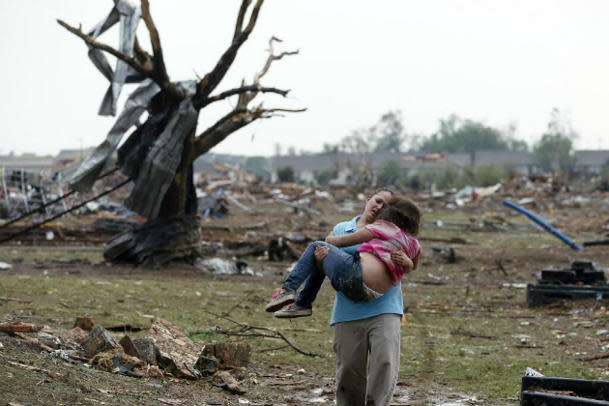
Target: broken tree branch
[[281, 347], [11, 328], [13, 299], [199, 104], [246, 98], [239, 25], [211, 80], [231, 122], [159, 63], [246, 296], [35, 369], [241, 115], [253, 19], [272, 57], [594, 357], [141, 55], [245, 328], [462, 332], [131, 61], [270, 112], [34, 341]]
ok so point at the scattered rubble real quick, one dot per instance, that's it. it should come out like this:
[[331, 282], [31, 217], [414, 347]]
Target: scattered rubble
[[583, 280], [229, 355], [166, 351], [98, 340], [84, 323], [177, 353], [225, 380]]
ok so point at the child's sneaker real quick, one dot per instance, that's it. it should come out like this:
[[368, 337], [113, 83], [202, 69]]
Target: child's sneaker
[[279, 299], [292, 311]]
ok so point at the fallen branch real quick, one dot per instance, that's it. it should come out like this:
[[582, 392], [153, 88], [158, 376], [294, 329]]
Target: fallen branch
[[461, 332], [445, 240], [288, 383], [14, 299], [34, 341], [593, 357], [281, 347], [247, 295], [426, 282], [35, 369], [223, 227], [246, 328], [19, 327]]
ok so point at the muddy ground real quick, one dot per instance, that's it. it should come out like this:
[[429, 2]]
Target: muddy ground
[[467, 336]]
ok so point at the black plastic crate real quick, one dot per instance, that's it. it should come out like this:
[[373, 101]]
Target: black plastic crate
[[538, 391]]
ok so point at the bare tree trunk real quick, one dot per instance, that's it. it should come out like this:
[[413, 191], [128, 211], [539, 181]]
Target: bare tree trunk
[[181, 197], [175, 234], [172, 231]]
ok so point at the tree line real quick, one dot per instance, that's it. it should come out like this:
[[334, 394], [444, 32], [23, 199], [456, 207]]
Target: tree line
[[553, 152]]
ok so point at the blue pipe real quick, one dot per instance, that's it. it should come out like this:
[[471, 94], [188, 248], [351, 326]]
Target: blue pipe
[[545, 225]]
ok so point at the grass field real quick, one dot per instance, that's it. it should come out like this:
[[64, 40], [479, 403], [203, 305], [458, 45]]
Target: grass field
[[467, 335]]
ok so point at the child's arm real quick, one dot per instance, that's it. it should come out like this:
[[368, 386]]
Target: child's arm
[[347, 240], [401, 259]]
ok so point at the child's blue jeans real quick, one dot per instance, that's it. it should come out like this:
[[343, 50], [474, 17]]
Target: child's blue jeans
[[343, 270]]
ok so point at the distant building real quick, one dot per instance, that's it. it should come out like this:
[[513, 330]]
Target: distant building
[[518, 161], [67, 162], [308, 167], [27, 162], [591, 161]]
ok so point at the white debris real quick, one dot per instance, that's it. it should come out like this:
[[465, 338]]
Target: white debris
[[531, 372], [515, 285], [4, 266]]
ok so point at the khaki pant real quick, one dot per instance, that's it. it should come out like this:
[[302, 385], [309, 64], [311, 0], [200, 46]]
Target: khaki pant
[[367, 360]]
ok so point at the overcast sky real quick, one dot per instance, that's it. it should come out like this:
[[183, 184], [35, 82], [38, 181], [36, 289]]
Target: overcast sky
[[493, 61]]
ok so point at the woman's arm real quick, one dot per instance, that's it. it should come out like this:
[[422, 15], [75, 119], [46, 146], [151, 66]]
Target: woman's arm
[[347, 240]]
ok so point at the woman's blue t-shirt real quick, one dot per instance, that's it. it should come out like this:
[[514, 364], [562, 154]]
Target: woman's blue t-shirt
[[348, 310]]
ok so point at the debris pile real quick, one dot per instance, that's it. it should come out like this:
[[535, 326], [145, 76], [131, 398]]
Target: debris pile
[[583, 280], [166, 351]]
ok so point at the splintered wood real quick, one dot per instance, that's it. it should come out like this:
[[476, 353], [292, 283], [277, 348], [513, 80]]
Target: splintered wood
[[11, 328], [177, 353], [229, 355]]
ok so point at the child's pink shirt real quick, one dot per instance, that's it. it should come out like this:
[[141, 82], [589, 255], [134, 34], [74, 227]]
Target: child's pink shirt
[[390, 238]]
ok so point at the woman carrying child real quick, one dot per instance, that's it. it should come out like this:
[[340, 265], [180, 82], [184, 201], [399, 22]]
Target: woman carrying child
[[362, 277]]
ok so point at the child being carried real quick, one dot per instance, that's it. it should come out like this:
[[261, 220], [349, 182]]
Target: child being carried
[[365, 276]]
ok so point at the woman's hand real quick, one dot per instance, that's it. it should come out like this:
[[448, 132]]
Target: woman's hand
[[320, 254], [400, 259]]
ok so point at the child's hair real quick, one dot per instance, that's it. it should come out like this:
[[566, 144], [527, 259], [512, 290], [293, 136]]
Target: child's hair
[[404, 213]]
